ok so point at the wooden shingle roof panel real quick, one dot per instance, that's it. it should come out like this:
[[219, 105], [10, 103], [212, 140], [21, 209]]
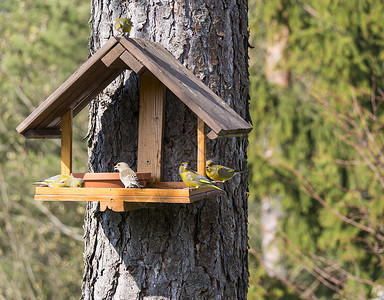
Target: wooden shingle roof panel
[[72, 92], [219, 116], [139, 55]]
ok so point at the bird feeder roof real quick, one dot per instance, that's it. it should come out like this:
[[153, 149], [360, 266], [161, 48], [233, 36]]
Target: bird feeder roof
[[117, 55]]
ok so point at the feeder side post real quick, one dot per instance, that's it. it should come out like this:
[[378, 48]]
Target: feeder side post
[[66, 142], [201, 146]]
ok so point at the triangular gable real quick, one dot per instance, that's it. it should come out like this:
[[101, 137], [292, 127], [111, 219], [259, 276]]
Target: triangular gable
[[139, 55]]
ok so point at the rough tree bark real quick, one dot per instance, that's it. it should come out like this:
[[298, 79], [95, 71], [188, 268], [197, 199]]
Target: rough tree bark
[[171, 251]]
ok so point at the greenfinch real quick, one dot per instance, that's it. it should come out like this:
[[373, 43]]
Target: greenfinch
[[123, 25], [61, 181], [193, 179], [219, 173], [127, 175]]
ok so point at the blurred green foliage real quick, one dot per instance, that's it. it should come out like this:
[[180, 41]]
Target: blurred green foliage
[[311, 145], [42, 42], [317, 144]]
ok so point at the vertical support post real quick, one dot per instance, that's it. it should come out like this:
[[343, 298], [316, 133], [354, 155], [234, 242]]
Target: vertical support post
[[201, 146], [151, 126], [66, 143]]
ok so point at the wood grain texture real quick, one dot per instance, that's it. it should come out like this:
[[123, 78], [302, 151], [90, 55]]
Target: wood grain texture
[[177, 194], [46, 133], [79, 87], [66, 143], [132, 62], [201, 146], [219, 116], [151, 126], [110, 59], [107, 63]]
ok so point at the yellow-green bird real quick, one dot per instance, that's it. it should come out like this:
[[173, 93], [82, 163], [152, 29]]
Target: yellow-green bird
[[61, 180], [193, 179], [127, 175], [123, 25], [219, 173]]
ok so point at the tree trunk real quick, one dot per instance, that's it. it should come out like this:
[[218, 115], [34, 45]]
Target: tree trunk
[[172, 251]]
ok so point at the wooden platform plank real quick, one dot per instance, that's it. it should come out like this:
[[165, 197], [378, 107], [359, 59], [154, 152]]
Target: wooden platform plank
[[132, 199], [219, 116], [116, 191], [134, 193]]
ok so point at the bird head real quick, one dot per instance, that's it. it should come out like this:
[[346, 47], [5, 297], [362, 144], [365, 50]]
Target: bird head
[[184, 167], [130, 23], [121, 166], [78, 182]]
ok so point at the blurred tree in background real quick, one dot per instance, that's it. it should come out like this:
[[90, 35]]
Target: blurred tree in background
[[42, 42], [317, 148]]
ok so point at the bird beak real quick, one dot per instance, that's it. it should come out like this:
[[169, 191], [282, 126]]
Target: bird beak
[[115, 167]]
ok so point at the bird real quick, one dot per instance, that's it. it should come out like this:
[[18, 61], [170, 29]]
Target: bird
[[123, 25], [219, 173], [193, 179], [127, 175], [61, 180]]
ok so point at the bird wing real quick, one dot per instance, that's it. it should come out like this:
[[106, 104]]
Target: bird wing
[[55, 181], [198, 177], [226, 172], [118, 24]]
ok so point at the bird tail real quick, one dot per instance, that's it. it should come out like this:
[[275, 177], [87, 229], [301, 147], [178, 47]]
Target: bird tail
[[216, 187], [237, 172], [39, 183]]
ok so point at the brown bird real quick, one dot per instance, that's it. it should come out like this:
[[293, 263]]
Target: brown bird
[[127, 175]]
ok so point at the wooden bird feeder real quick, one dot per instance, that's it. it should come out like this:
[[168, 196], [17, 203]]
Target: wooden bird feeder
[[158, 70]]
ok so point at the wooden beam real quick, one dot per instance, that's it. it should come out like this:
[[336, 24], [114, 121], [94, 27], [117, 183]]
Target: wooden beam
[[218, 115], [111, 59], [45, 133], [235, 133], [151, 125], [132, 62], [66, 143], [201, 146], [166, 192]]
